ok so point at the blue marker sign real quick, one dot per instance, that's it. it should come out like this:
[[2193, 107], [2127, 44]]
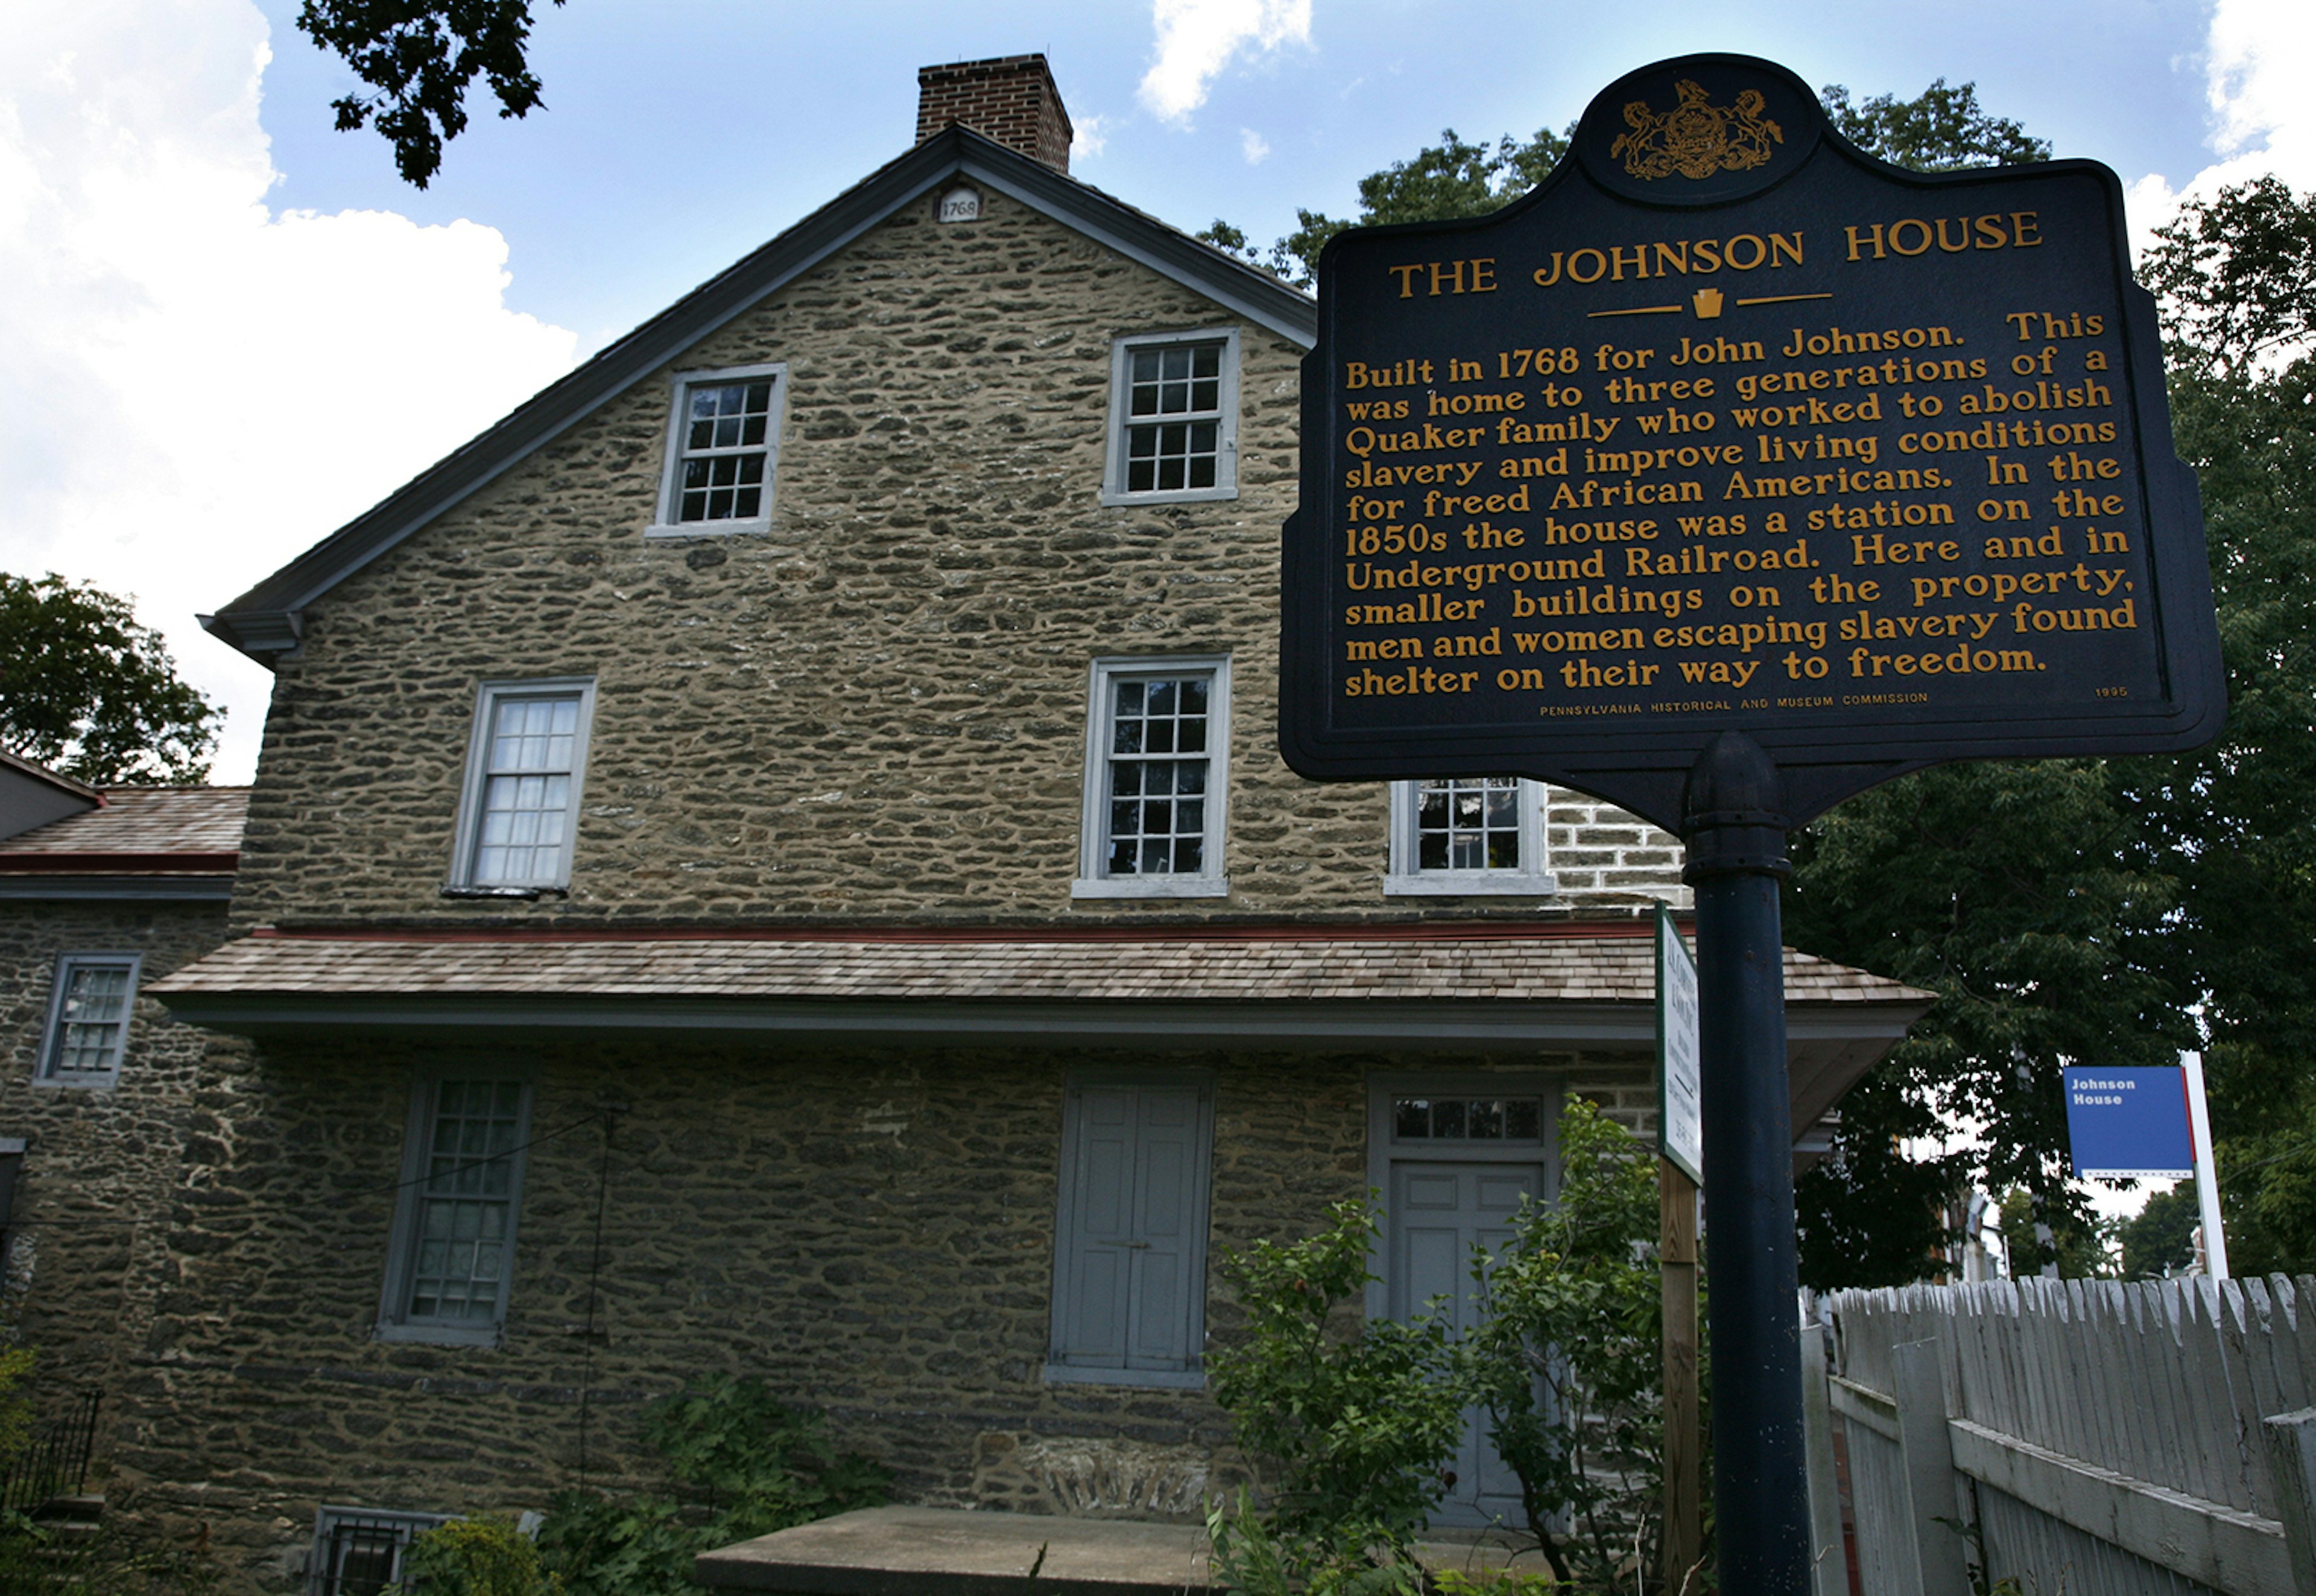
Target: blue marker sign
[[2130, 1123]]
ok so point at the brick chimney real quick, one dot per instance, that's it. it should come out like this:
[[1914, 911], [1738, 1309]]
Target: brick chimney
[[1010, 99]]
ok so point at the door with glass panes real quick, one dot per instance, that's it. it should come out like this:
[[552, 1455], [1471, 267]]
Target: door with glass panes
[[1456, 1157]]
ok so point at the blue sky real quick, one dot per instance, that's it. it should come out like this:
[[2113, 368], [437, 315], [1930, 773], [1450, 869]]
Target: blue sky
[[232, 328]]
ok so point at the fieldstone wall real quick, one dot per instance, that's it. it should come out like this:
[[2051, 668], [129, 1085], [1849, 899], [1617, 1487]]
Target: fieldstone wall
[[871, 1231], [85, 1242], [878, 709]]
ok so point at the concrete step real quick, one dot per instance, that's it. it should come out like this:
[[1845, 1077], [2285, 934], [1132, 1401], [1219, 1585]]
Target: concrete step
[[62, 1511]]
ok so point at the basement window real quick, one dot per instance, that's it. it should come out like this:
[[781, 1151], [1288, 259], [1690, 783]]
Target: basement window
[[359, 1551]]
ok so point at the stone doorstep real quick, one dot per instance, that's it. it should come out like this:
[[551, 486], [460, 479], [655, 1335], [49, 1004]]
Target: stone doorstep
[[931, 1551]]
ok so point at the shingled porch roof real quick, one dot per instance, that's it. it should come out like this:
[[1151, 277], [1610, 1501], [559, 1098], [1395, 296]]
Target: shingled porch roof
[[1475, 988]]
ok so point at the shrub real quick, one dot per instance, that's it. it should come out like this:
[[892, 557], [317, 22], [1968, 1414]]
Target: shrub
[[741, 1465], [482, 1556]]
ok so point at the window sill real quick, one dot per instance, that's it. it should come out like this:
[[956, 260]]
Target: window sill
[[1179, 496], [1448, 884], [658, 532], [1151, 886], [442, 1334], [530, 894], [1179, 1379], [66, 1082]]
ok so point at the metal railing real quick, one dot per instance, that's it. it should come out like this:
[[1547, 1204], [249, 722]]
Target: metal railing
[[55, 1462]]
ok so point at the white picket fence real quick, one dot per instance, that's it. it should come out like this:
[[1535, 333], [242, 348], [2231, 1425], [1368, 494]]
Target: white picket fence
[[2086, 1438]]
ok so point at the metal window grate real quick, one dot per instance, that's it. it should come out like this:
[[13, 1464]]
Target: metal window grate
[[1158, 768], [358, 1553], [1174, 417]]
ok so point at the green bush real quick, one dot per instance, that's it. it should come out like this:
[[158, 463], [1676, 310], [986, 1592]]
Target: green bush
[[482, 1556], [1358, 1420], [741, 1464]]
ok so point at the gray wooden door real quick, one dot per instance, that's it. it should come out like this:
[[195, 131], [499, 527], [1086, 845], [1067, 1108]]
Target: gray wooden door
[[1437, 1211], [1132, 1227]]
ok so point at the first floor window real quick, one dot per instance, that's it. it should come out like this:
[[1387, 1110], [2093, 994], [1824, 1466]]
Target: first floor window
[[89, 1011], [1131, 1234], [722, 445], [1157, 747], [454, 1229], [1173, 418], [1467, 835], [359, 1551], [517, 821]]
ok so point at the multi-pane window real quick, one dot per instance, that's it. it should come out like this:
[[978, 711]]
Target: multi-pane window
[[1467, 824], [722, 448], [358, 1552], [1174, 400], [89, 1013], [522, 789], [1155, 779], [1468, 1119], [1158, 775], [1467, 835], [463, 1180], [1173, 407]]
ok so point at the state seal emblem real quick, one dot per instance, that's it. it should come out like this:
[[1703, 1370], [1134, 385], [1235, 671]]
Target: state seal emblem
[[1696, 137]]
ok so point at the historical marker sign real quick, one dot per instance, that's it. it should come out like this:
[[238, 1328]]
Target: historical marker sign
[[1730, 426], [1680, 1113]]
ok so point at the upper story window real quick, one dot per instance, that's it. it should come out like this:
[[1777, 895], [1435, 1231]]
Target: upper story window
[[453, 1249], [1173, 407], [1467, 836], [1157, 777], [89, 1009], [722, 445], [517, 819]]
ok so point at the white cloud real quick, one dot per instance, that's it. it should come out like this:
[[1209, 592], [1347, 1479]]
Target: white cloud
[[2259, 60], [1089, 137], [1197, 39], [1253, 145], [198, 387]]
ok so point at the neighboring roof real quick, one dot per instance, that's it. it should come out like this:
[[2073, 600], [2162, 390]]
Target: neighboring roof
[[267, 620], [1403, 988], [33, 794], [145, 842]]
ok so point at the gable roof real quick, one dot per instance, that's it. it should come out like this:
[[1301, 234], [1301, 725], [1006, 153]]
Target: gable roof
[[267, 620]]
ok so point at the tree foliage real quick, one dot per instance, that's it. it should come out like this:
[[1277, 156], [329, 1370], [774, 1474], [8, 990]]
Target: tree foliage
[[1940, 129], [419, 59], [86, 691], [2160, 1239]]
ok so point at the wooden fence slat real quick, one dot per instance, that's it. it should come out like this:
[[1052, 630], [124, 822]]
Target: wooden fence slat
[[1928, 1448]]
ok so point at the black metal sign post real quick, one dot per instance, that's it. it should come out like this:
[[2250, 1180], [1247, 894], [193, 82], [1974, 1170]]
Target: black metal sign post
[[1731, 471]]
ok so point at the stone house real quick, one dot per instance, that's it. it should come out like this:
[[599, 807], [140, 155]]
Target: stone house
[[772, 859], [106, 892]]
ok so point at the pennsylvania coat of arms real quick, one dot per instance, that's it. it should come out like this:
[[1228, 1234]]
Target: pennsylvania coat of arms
[[1696, 138]]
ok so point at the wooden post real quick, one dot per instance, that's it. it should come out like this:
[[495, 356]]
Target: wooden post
[[1684, 1496], [2291, 1456], [1926, 1452]]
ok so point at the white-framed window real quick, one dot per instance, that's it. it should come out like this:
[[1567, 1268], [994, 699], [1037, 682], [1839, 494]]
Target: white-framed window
[[90, 1007], [526, 765], [1173, 418], [1467, 836], [1157, 779], [722, 451], [452, 1253], [358, 1551], [1130, 1228]]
